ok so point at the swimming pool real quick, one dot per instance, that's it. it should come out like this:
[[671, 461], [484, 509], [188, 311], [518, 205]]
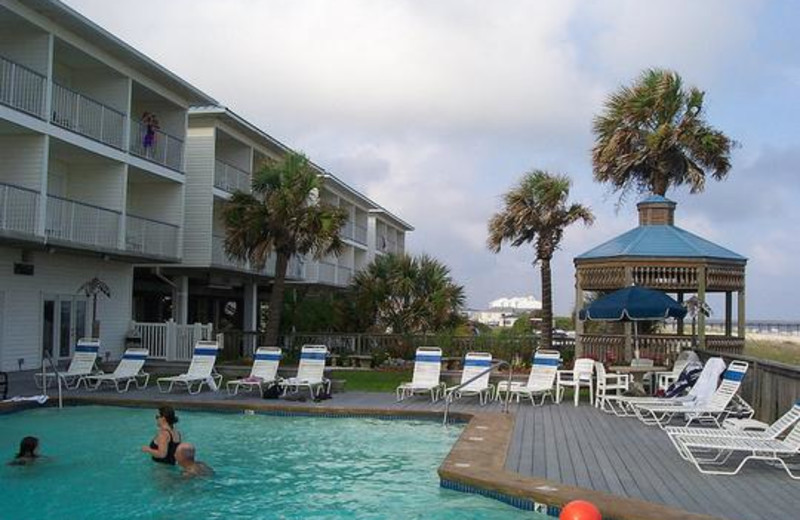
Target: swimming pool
[[267, 467]]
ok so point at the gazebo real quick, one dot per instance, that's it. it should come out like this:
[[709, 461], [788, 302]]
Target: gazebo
[[659, 255]]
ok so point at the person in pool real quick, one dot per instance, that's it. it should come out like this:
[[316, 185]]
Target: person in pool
[[27, 452], [191, 467], [162, 448]]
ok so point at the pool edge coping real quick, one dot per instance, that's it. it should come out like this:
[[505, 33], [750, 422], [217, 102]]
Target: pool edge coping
[[483, 445]]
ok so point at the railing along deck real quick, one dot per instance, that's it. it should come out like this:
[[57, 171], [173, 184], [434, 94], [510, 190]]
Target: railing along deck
[[151, 237], [360, 234], [82, 223], [230, 178], [22, 88], [157, 146], [19, 209], [85, 116]]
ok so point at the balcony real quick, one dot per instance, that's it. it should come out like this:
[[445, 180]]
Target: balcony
[[156, 146], [22, 88], [81, 223], [83, 115], [19, 209], [230, 178], [151, 237], [344, 275], [360, 234], [220, 257]]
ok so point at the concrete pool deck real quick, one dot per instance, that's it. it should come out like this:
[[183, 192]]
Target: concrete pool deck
[[548, 455]]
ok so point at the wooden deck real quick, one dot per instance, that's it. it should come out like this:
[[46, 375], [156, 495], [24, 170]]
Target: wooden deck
[[577, 446], [587, 448]]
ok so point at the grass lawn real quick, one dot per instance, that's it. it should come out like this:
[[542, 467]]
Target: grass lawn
[[781, 351], [371, 381]]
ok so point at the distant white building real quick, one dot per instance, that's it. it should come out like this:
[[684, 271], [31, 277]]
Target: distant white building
[[504, 312]]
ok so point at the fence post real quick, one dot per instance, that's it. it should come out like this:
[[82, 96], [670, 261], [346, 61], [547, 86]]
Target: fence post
[[171, 338]]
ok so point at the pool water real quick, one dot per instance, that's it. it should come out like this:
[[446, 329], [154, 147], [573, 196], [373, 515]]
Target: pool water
[[266, 467]]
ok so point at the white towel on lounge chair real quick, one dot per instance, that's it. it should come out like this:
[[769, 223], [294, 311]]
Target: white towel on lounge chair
[[707, 383], [41, 399]]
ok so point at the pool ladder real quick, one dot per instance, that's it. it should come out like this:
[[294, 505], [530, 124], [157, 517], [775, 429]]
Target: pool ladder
[[47, 357], [449, 397]]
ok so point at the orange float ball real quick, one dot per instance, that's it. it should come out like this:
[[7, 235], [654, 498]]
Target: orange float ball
[[580, 510]]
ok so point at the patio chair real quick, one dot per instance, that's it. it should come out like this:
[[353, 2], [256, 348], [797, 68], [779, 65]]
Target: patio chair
[[748, 429], [580, 375], [666, 378], [609, 382], [710, 453], [541, 379], [82, 364], [714, 410], [475, 364], [706, 384], [426, 377], [129, 371], [201, 370], [263, 374], [310, 372]]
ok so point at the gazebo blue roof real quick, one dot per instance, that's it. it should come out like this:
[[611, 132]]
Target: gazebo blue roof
[[664, 241]]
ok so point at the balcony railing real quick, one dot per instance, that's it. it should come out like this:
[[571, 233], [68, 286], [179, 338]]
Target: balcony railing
[[220, 257], [19, 209], [347, 231], [360, 235], [156, 146], [230, 178], [344, 275], [326, 272], [22, 88], [151, 237], [82, 223], [83, 115]]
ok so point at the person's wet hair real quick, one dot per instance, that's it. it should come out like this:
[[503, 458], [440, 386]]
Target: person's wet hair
[[27, 447], [168, 413]]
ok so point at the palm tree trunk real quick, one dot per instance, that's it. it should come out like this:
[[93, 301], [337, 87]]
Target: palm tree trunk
[[276, 300], [547, 304]]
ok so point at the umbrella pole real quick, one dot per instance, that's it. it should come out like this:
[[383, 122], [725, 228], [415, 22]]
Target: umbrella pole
[[635, 339]]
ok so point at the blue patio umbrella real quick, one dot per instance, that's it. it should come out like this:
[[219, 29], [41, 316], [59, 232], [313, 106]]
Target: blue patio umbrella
[[633, 304]]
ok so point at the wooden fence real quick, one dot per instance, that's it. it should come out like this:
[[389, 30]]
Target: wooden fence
[[770, 387]]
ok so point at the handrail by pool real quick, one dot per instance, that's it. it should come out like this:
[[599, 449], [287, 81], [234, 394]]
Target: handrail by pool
[[49, 358], [449, 397]]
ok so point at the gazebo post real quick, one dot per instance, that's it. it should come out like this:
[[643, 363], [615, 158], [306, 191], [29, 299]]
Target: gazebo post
[[627, 324], [701, 316], [680, 320], [728, 313], [740, 324], [578, 323]]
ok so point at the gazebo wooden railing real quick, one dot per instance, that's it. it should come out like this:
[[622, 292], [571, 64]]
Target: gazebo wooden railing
[[663, 348]]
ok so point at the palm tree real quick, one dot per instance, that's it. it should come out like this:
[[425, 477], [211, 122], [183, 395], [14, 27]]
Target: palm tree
[[92, 289], [536, 211], [282, 217], [653, 136], [408, 294]]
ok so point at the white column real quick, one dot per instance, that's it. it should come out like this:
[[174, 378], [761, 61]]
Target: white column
[[180, 300]]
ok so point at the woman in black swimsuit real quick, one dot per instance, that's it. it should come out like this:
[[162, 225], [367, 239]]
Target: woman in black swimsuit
[[163, 446]]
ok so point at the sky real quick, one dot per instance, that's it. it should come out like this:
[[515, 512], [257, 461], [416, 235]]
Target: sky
[[434, 109]]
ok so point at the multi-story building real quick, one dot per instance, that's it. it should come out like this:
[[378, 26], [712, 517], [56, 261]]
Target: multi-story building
[[105, 171]]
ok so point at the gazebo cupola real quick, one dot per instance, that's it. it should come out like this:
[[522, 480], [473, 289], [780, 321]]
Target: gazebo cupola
[[657, 254]]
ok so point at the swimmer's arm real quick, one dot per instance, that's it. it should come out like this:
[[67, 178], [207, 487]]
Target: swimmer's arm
[[161, 442]]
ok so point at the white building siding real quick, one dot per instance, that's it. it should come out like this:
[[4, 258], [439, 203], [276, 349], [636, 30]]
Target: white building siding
[[23, 159], [59, 273], [28, 48], [198, 196], [98, 184]]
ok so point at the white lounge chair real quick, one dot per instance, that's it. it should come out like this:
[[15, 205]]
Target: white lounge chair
[[82, 364], [706, 384], [666, 378], [735, 429], [609, 383], [263, 374], [426, 377], [580, 375], [475, 364], [715, 410], [310, 372], [201, 370], [541, 379], [710, 453], [128, 371]]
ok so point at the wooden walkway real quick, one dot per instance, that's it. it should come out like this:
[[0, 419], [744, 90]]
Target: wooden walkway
[[578, 446], [587, 448]]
